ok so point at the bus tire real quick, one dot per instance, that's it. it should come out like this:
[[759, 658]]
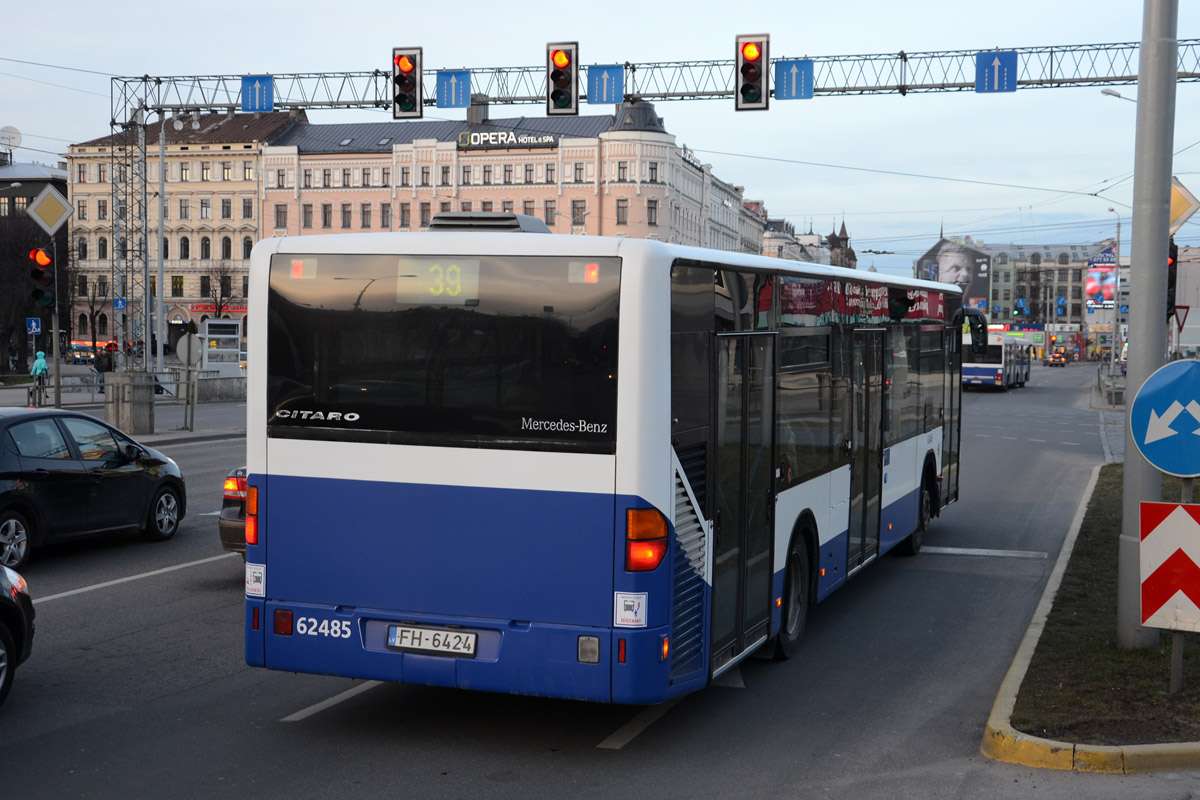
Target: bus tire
[[912, 545], [797, 597]]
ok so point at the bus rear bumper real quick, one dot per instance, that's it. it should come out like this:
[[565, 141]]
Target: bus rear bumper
[[512, 657]]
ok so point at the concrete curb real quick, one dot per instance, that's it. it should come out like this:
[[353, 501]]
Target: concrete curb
[[1002, 742]]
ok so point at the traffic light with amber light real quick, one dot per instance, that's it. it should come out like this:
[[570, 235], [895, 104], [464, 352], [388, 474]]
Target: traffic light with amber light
[[43, 275], [562, 79], [1172, 274], [406, 83], [753, 88]]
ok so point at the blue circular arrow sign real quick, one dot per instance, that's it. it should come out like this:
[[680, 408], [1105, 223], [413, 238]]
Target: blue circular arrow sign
[[1164, 419]]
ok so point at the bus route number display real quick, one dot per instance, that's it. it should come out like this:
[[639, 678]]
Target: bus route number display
[[452, 281]]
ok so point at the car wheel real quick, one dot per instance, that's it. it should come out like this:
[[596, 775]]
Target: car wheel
[[797, 582], [163, 520], [8, 661], [14, 540]]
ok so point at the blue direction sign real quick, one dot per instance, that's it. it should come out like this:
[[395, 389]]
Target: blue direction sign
[[33, 326], [1165, 419], [996, 71], [453, 88], [794, 80], [606, 84], [258, 93]]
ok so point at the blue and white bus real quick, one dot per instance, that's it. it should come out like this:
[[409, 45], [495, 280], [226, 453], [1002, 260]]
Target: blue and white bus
[[1005, 365], [571, 466]]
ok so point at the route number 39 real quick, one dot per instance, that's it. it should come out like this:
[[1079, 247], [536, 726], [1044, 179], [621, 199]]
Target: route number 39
[[336, 628], [446, 280]]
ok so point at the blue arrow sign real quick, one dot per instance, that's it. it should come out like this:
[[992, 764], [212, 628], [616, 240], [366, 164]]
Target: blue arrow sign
[[454, 88], [606, 84], [33, 326], [794, 80], [996, 71], [1165, 419], [258, 93]]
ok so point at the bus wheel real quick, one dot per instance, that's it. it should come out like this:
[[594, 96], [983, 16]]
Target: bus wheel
[[797, 593], [912, 545]]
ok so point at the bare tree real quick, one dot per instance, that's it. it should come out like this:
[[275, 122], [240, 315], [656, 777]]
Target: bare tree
[[216, 284]]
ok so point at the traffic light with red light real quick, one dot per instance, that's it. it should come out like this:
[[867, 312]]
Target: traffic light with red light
[[406, 83], [753, 91], [562, 79], [43, 275], [1172, 275]]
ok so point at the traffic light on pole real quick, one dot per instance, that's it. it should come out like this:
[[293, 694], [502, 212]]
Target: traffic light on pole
[[1172, 275], [751, 79], [562, 79], [43, 275], [406, 83]]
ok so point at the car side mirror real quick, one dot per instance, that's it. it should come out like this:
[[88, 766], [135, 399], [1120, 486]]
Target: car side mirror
[[132, 453]]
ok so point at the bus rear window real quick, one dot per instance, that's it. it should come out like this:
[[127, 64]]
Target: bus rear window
[[468, 351]]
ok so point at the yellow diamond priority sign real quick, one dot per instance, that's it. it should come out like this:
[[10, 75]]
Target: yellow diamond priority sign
[[50, 210], [1183, 205]]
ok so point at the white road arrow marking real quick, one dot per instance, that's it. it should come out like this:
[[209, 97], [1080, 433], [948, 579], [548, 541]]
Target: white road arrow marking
[[1160, 427]]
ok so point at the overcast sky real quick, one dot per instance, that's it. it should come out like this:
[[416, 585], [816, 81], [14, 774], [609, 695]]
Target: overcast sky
[[815, 162]]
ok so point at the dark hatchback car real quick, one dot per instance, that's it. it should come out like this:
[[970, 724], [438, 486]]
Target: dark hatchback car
[[16, 627], [231, 525], [65, 474]]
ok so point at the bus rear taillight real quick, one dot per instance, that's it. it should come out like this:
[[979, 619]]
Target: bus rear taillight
[[645, 539], [251, 515]]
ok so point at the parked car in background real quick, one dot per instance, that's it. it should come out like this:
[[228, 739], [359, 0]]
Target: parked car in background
[[16, 626], [231, 525], [65, 474]]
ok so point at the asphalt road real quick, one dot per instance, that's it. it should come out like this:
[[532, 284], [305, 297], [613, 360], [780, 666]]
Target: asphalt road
[[137, 686]]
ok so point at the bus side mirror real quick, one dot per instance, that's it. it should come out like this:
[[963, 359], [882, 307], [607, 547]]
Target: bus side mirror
[[977, 323]]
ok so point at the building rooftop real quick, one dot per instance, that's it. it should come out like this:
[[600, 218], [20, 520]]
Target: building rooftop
[[212, 129]]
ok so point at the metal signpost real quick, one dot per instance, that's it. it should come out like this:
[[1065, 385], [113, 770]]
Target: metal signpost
[[1164, 422], [50, 210]]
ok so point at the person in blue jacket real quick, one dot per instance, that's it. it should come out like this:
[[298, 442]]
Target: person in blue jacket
[[39, 368]]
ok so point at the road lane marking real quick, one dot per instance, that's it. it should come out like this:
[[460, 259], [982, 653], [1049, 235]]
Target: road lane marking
[[208, 513], [39, 601], [972, 551], [629, 731], [316, 708]]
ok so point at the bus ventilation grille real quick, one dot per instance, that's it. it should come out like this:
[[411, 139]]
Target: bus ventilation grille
[[687, 616]]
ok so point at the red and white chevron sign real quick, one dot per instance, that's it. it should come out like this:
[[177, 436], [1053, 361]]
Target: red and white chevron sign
[[1170, 565]]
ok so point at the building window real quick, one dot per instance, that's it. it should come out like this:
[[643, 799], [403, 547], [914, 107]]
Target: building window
[[205, 208], [1064, 259], [307, 181], [652, 169], [102, 286], [345, 215], [205, 171], [578, 211], [327, 215], [387, 175], [205, 285], [1062, 275], [466, 176], [579, 172], [185, 172], [246, 285], [506, 206], [185, 208], [527, 208], [82, 291], [651, 212], [247, 208], [226, 248], [551, 213], [445, 176], [485, 206], [622, 171], [166, 249], [385, 215], [424, 176], [465, 205], [205, 248], [425, 215], [326, 178], [102, 248], [81, 250], [508, 173], [280, 215], [226, 171], [185, 248], [623, 211], [279, 180], [487, 174], [82, 326], [226, 285], [445, 205], [346, 176], [549, 173], [247, 170], [529, 173], [1076, 274], [366, 176], [81, 210], [102, 325], [404, 175], [247, 246], [306, 217], [82, 174], [101, 209], [405, 216], [364, 215], [226, 208]]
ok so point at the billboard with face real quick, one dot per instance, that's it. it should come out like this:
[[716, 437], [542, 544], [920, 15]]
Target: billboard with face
[[951, 262]]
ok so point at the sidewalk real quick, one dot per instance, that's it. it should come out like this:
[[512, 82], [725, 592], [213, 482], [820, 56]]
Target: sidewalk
[[1001, 741]]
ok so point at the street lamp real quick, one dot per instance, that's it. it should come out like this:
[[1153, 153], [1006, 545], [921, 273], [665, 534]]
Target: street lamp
[[582, 217], [1112, 367], [1116, 94]]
